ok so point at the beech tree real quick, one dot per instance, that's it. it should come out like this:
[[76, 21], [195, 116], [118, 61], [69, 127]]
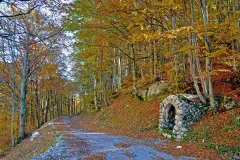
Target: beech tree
[[156, 40], [27, 36]]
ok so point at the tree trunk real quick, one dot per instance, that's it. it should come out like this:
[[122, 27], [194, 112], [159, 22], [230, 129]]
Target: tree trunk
[[23, 94], [114, 73], [193, 56], [23, 109], [95, 92], [176, 56], [105, 99], [36, 107], [154, 57], [236, 8], [208, 59], [12, 126], [61, 105], [203, 82], [119, 77], [134, 70], [46, 108]]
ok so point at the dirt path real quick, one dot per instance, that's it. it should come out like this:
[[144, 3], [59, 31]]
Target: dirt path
[[74, 143]]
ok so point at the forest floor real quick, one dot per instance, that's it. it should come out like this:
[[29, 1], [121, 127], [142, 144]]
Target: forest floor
[[72, 142]]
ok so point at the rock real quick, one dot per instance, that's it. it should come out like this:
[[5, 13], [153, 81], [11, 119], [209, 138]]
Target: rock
[[174, 132], [176, 128], [168, 136], [47, 124], [184, 129], [179, 137], [179, 123], [178, 117], [179, 111], [191, 97], [142, 94], [178, 103], [238, 118], [157, 88], [229, 103], [154, 89], [34, 135], [161, 114], [235, 156], [179, 147], [161, 121]]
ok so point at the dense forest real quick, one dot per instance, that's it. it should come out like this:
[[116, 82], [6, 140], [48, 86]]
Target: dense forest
[[34, 85], [113, 43], [184, 42]]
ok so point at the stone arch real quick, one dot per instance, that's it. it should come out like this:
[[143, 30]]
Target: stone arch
[[185, 112], [171, 105]]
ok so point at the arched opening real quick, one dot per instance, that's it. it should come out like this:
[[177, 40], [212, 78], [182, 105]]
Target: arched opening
[[171, 117]]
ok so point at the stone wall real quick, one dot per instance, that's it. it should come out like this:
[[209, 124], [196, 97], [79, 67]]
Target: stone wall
[[177, 112]]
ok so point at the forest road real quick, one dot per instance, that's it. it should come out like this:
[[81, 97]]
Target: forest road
[[74, 143]]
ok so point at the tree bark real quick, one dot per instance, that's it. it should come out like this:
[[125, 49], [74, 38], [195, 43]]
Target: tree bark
[[119, 79], [208, 59], [134, 70], [46, 108], [193, 56], [23, 94]]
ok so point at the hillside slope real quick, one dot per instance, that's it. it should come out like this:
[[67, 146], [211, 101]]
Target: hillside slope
[[130, 116], [212, 137]]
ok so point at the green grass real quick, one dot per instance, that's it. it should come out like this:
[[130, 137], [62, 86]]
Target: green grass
[[168, 131], [229, 150], [191, 136]]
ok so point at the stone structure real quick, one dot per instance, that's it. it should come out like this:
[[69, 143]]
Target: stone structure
[[177, 112]]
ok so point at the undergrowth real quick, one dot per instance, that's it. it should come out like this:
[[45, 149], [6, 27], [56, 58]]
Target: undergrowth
[[219, 132]]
